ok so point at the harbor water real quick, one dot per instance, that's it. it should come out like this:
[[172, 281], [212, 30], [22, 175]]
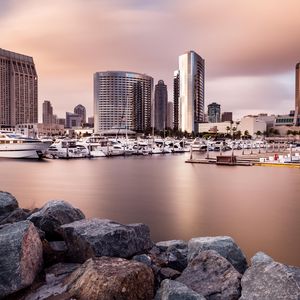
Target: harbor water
[[258, 206]]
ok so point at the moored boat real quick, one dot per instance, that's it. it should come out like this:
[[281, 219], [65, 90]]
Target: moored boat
[[13, 145]]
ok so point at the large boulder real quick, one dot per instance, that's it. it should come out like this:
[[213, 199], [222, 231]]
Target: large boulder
[[54, 214], [101, 237], [174, 290], [21, 256], [109, 278], [270, 280], [224, 245], [212, 276], [8, 204]]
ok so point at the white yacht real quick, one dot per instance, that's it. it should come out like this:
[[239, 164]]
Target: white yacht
[[66, 148], [13, 145], [93, 145]]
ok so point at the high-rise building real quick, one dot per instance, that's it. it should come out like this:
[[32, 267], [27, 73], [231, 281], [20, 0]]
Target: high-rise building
[[122, 100], [160, 105], [170, 116], [91, 121], [80, 111], [214, 112], [226, 116], [48, 117], [189, 92], [176, 100], [297, 94], [73, 120], [18, 89]]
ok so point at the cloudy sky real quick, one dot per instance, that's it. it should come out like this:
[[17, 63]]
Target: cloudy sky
[[250, 47]]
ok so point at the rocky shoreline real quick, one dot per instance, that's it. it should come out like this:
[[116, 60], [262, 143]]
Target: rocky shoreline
[[55, 253]]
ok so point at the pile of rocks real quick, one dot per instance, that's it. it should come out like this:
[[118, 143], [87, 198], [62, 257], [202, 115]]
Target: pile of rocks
[[55, 253]]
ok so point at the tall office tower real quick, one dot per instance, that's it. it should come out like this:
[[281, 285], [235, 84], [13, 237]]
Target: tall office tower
[[176, 100], [160, 105], [214, 112], [48, 117], [170, 116], [191, 91], [18, 89], [226, 116], [122, 100], [73, 120], [297, 96], [81, 111]]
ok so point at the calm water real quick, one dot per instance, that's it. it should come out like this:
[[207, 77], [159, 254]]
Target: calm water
[[258, 206]]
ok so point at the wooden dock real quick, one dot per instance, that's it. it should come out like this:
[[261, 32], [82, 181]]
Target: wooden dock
[[221, 160]]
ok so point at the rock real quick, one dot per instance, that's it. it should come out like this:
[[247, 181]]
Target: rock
[[109, 278], [174, 254], [224, 245], [54, 214], [54, 252], [16, 215], [54, 287], [8, 204], [174, 290], [101, 237], [164, 245], [212, 276], [271, 281], [20, 256], [261, 257], [143, 258], [168, 273]]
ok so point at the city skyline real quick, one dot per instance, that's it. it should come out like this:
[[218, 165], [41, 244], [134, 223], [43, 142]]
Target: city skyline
[[250, 51]]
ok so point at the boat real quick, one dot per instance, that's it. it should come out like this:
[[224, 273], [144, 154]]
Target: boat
[[14, 145], [93, 146], [66, 148]]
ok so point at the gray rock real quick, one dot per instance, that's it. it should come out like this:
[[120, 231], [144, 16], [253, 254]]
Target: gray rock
[[20, 256], [109, 278], [261, 257], [101, 237], [54, 252], [164, 245], [271, 281], [8, 204], [224, 245], [54, 214], [16, 215], [212, 276], [143, 258], [172, 254], [54, 287], [168, 273], [173, 290]]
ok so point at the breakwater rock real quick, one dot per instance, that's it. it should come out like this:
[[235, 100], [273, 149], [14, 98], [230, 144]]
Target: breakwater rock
[[55, 253]]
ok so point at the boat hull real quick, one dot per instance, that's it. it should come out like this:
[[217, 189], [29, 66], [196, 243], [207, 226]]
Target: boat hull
[[30, 150]]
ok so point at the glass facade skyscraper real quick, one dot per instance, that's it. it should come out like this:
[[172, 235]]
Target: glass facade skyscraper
[[161, 105], [123, 100], [189, 92]]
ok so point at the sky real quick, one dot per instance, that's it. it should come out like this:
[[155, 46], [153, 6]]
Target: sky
[[250, 47]]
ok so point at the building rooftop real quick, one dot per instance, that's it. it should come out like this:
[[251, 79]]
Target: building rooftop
[[16, 56]]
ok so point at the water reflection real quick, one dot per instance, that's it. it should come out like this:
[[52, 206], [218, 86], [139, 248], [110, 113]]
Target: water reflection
[[257, 206]]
